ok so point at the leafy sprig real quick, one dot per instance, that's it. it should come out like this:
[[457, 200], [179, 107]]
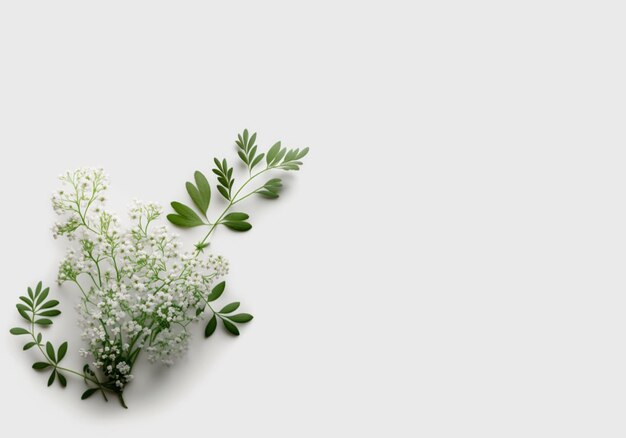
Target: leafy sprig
[[31, 308], [276, 158], [224, 314], [247, 150], [224, 178]]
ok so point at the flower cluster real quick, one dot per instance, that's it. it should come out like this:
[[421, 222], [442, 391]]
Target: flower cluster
[[140, 291]]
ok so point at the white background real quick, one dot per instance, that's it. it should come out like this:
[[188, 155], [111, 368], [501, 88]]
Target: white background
[[448, 263]]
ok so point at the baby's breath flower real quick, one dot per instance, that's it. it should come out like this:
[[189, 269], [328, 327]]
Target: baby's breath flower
[[139, 290]]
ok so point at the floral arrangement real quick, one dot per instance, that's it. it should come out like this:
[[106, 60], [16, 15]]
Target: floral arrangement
[[140, 291]]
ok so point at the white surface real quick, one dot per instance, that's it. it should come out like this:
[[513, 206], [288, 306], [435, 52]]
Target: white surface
[[450, 261]]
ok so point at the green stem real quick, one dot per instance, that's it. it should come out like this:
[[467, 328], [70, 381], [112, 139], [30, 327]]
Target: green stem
[[51, 362], [232, 202]]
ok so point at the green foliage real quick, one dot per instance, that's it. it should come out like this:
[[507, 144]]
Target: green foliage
[[228, 321], [271, 188], [30, 308], [210, 327], [200, 194], [229, 308], [224, 178], [35, 305], [241, 318], [216, 292], [232, 328], [41, 365], [88, 393], [248, 150], [186, 217], [285, 159], [276, 158], [237, 221], [19, 331]]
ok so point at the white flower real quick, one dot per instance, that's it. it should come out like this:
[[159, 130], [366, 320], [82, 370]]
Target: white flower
[[138, 289]]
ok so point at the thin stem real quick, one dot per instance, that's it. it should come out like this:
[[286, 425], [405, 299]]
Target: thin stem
[[51, 362], [232, 202]]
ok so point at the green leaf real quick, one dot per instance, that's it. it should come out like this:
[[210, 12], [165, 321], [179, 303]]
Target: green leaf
[[230, 307], [217, 291], [53, 374], [19, 331], [224, 177], [42, 296], [27, 301], [49, 304], [41, 366], [200, 246], [182, 222], [232, 328], [39, 336], [302, 153], [50, 351], [204, 188], [52, 312], [43, 321], [223, 192], [236, 217], [38, 288], [194, 194], [241, 317], [62, 352], [271, 154], [256, 161], [88, 393], [29, 345], [274, 183], [279, 156], [187, 213], [290, 166], [62, 379], [21, 306], [238, 226], [271, 188], [24, 315], [30, 294], [267, 194], [210, 327]]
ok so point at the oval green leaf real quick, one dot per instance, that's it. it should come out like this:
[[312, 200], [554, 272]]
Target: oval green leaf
[[50, 351], [210, 327], [230, 307], [49, 304], [43, 321], [217, 291], [241, 318], [41, 365], [62, 352], [232, 328], [52, 312], [236, 217], [238, 226], [19, 331], [88, 393]]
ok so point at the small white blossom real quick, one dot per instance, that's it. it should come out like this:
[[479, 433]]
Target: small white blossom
[[140, 291]]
